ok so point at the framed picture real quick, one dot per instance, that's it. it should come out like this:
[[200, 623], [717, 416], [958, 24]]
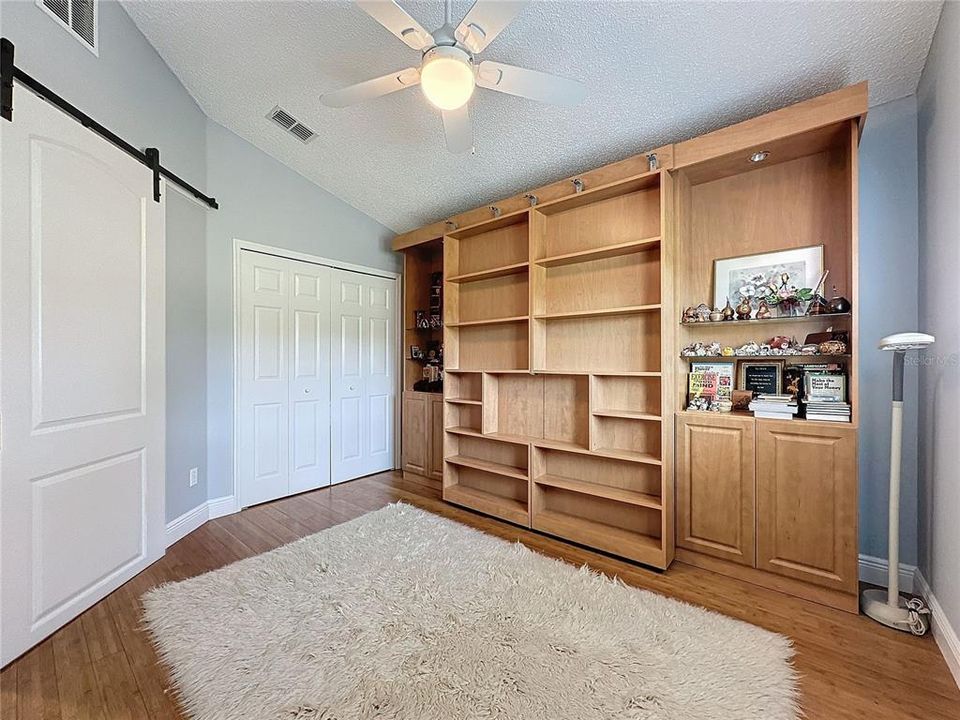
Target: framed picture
[[724, 373], [416, 353], [761, 376], [747, 275]]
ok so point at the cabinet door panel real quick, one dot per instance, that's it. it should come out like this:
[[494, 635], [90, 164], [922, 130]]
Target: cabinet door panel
[[807, 502], [436, 438], [416, 437], [715, 486]]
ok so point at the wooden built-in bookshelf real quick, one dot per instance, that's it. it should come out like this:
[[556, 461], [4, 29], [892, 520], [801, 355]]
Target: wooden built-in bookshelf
[[565, 389], [553, 319]]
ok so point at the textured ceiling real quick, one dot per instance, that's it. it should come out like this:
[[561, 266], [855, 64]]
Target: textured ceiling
[[656, 73]]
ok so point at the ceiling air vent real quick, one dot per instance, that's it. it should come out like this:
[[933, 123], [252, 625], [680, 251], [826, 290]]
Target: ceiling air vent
[[289, 123], [78, 17]]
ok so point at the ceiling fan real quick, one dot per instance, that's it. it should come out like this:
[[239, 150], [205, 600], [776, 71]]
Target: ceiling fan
[[448, 72]]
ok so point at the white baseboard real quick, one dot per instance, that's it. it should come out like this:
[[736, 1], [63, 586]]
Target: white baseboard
[[218, 507], [193, 519], [943, 632], [873, 570]]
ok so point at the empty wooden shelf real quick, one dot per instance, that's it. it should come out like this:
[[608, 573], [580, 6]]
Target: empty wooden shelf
[[492, 467], [514, 511], [600, 253], [597, 490]]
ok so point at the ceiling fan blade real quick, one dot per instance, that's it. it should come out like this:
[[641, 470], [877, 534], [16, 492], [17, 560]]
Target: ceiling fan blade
[[530, 83], [458, 129], [485, 20], [370, 89], [395, 19]]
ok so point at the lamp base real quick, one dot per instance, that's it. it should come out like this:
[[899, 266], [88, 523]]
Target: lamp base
[[910, 616]]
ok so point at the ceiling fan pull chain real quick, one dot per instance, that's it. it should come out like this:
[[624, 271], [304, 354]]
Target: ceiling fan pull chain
[[447, 11], [577, 185]]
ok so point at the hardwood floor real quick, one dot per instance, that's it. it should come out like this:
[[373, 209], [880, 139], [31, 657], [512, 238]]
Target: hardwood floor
[[102, 665]]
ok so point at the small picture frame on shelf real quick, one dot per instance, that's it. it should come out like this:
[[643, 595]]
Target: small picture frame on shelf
[[416, 353], [745, 277], [724, 372], [761, 376]]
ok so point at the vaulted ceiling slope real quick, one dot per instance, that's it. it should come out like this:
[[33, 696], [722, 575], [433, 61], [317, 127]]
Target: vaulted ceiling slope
[[656, 72]]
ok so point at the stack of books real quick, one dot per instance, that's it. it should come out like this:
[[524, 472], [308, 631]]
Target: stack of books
[[825, 397], [829, 410], [774, 407]]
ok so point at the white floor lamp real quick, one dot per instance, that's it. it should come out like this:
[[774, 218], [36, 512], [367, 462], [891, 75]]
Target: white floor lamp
[[888, 607]]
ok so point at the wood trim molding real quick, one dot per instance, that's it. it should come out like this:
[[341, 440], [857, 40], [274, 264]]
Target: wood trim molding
[[849, 102]]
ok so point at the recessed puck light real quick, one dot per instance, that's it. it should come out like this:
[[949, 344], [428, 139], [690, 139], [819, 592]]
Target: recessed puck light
[[759, 156]]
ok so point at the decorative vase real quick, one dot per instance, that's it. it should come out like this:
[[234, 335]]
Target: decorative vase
[[791, 308]]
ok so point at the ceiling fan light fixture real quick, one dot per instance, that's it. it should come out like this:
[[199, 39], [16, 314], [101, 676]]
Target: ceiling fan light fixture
[[447, 77]]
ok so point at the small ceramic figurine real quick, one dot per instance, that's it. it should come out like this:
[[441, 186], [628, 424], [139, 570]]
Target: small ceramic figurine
[[689, 315], [716, 315], [809, 349], [727, 351], [744, 309], [727, 311], [779, 341], [763, 310], [750, 348], [703, 313], [713, 349]]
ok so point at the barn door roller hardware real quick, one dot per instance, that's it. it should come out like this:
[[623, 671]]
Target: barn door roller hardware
[[149, 157]]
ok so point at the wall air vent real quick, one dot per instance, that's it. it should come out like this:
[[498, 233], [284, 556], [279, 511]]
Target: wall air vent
[[289, 123], [78, 17]]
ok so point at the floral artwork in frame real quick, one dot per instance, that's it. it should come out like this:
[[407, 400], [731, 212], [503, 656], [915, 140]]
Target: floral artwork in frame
[[761, 277]]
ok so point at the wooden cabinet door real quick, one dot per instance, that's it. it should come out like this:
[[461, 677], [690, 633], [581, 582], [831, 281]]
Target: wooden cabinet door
[[807, 502], [416, 435], [715, 486], [436, 438]]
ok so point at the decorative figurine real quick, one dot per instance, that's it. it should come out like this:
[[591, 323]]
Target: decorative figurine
[[763, 310], [689, 315], [728, 311], [703, 313], [716, 315], [727, 351], [750, 348], [744, 310], [809, 349]]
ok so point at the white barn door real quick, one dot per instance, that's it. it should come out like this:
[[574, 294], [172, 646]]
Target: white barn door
[[81, 372], [364, 374], [284, 402]]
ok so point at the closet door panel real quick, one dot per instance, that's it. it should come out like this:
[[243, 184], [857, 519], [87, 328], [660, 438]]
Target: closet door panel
[[309, 377], [364, 374]]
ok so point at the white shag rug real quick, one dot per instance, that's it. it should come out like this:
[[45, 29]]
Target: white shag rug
[[404, 615]]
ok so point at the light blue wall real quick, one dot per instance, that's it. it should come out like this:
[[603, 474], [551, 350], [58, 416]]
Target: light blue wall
[[888, 304], [263, 201], [939, 143]]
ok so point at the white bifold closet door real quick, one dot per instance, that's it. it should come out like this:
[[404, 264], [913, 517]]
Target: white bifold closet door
[[364, 375], [284, 438], [82, 381], [317, 376]]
